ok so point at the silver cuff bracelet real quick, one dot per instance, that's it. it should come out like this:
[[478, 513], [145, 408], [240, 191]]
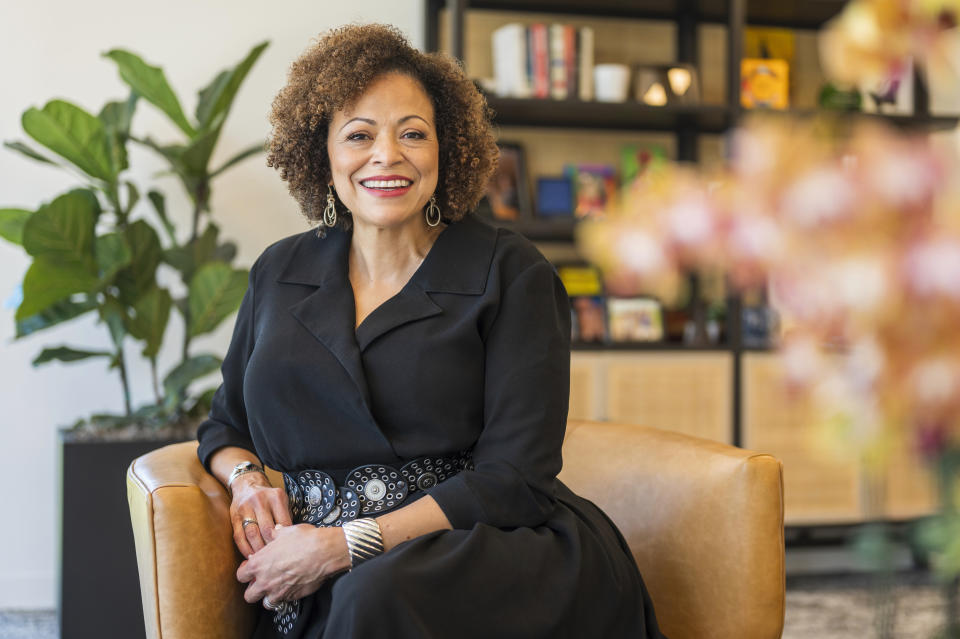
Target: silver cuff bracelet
[[364, 540]]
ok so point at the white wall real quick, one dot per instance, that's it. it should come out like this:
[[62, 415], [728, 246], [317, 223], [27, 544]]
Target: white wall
[[51, 48]]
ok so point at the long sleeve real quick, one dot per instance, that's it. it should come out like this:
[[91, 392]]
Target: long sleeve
[[526, 392], [227, 423]]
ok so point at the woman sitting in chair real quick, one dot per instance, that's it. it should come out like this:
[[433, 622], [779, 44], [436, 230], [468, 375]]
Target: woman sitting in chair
[[406, 367]]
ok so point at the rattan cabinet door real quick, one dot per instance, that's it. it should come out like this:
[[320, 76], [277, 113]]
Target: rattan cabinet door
[[689, 393], [586, 379], [821, 477]]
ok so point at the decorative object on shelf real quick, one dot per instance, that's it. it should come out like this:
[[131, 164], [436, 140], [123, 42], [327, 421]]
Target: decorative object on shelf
[[507, 197], [769, 42], [636, 161], [587, 307], [543, 61], [594, 187], [611, 82], [893, 95], [759, 325], [554, 196], [764, 83], [637, 319], [834, 98], [589, 322], [664, 85]]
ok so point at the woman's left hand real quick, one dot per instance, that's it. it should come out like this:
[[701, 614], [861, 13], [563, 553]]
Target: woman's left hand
[[295, 564]]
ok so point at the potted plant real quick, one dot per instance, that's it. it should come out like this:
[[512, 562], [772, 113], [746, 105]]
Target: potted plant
[[93, 250]]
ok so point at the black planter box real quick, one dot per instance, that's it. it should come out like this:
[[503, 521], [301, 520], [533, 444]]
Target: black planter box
[[99, 590]]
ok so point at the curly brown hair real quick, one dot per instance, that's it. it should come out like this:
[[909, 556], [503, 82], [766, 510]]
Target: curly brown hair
[[334, 72]]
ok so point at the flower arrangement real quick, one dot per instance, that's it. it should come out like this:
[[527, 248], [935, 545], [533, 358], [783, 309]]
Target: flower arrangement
[[853, 227]]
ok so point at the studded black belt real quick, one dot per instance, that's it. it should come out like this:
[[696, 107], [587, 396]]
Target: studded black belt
[[370, 489], [366, 490]]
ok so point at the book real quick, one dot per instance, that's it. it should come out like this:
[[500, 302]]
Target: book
[[510, 61], [540, 60], [585, 63], [558, 60]]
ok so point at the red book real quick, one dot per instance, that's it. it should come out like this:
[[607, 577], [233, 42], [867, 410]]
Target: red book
[[570, 59], [541, 60]]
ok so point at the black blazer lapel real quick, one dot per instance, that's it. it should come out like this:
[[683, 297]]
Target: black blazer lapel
[[329, 312], [409, 305]]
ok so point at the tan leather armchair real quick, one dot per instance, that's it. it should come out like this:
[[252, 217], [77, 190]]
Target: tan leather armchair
[[704, 521]]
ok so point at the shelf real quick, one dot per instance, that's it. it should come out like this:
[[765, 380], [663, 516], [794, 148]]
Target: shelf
[[915, 122], [707, 118], [676, 347], [540, 229], [704, 118], [799, 14]]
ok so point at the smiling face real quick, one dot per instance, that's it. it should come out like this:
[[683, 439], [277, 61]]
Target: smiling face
[[384, 153]]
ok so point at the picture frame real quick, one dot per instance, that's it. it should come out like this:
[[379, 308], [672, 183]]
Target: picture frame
[[507, 197], [634, 319]]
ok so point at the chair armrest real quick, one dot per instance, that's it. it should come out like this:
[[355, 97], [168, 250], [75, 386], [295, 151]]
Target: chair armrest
[[704, 521], [185, 550]]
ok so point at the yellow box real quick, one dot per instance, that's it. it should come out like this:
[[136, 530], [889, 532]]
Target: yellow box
[[764, 83]]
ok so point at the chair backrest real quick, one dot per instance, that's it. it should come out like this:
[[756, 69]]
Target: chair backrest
[[704, 521]]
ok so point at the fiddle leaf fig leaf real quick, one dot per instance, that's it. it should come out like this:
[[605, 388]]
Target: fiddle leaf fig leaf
[[196, 156], [116, 118], [140, 275], [159, 205], [113, 253], [73, 134], [11, 224], [150, 83], [225, 252], [215, 292], [46, 284], [66, 354], [20, 147], [149, 322], [217, 97], [176, 382], [54, 314], [62, 231], [133, 196], [115, 315], [119, 115]]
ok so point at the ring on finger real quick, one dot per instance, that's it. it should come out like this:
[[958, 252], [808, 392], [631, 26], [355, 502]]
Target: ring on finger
[[250, 522], [270, 605]]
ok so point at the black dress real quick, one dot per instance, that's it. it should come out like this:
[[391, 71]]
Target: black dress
[[474, 353]]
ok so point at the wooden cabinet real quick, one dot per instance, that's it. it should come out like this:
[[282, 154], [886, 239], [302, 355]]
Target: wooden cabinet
[[684, 392], [823, 483]]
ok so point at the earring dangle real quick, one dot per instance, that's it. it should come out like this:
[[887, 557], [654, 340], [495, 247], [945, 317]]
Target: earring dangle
[[433, 212], [330, 212]]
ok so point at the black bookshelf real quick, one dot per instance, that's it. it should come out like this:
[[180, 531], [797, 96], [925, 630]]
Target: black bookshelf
[[685, 122]]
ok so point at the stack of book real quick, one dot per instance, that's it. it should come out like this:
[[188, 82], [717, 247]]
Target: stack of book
[[543, 61]]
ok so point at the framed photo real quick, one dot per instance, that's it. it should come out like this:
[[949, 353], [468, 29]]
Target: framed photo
[[594, 188], [507, 197], [636, 319], [589, 319]]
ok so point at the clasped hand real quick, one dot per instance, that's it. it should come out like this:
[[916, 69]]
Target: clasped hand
[[283, 562]]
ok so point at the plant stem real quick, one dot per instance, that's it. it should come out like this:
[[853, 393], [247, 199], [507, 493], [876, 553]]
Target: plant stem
[[123, 378], [153, 373]]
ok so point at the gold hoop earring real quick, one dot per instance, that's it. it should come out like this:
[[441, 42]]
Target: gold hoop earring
[[433, 212], [330, 212]]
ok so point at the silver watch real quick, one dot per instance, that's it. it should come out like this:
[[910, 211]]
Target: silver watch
[[243, 468]]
